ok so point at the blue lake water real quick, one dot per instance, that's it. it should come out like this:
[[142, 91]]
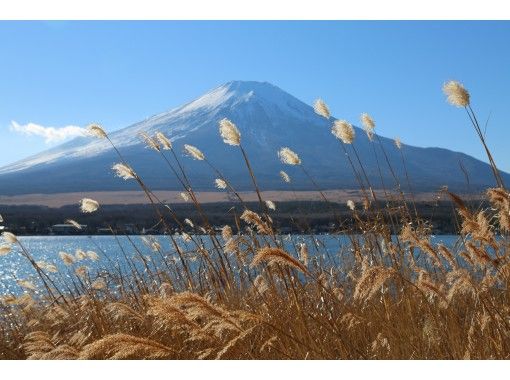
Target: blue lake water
[[113, 253]]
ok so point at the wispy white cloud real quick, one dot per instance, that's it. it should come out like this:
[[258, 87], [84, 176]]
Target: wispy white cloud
[[50, 134]]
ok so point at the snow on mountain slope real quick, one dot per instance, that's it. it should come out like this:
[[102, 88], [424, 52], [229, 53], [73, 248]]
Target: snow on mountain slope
[[178, 123], [268, 119]]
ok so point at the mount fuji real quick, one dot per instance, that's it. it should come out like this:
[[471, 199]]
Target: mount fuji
[[268, 119]]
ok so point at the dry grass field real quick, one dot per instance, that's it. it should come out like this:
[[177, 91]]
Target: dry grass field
[[139, 197], [246, 297]]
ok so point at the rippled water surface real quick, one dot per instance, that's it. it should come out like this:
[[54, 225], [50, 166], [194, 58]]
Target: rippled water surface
[[114, 254]]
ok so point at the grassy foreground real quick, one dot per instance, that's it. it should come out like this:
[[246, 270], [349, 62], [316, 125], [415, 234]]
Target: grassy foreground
[[246, 297]]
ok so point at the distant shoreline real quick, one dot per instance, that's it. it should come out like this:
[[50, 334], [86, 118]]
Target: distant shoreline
[[305, 216], [173, 197]]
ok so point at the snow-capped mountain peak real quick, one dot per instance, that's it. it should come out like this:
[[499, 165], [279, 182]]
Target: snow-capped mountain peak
[[268, 118], [177, 122]]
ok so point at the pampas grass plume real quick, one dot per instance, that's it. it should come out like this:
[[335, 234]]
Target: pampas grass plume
[[226, 232], [270, 205], [74, 223], [344, 131], [66, 258], [88, 205], [285, 177], [164, 141], [368, 125], [194, 152], [220, 184], [229, 132], [123, 171], [9, 237], [4, 250], [151, 142], [92, 255], [456, 94], [97, 131], [287, 156], [321, 108], [272, 255], [98, 284]]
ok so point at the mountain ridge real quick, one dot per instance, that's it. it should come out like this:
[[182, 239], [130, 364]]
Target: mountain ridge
[[268, 118]]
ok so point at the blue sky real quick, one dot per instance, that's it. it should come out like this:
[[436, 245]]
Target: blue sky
[[57, 74]]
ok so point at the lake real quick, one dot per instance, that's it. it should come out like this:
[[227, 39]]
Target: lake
[[113, 252]]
